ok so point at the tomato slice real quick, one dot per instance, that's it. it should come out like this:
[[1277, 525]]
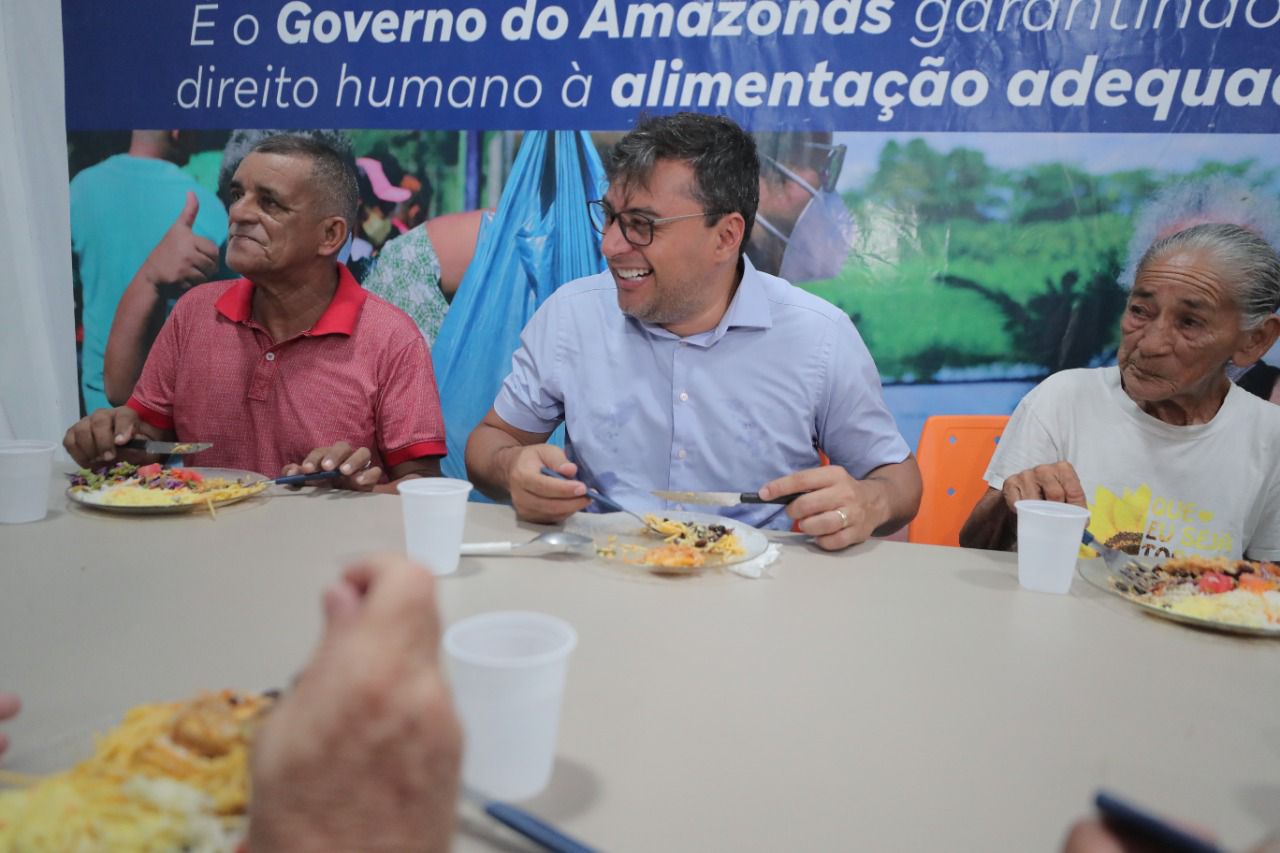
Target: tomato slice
[[1215, 582], [146, 472]]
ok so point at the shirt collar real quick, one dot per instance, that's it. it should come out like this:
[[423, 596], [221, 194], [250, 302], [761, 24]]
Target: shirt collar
[[749, 307], [339, 318]]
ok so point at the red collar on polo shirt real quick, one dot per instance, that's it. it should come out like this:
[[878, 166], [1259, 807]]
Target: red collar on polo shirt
[[339, 318]]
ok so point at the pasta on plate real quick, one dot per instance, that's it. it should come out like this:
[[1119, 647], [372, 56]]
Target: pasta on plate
[[688, 544], [672, 542], [170, 776]]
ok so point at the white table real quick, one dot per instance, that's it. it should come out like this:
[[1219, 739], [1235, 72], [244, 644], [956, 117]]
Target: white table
[[893, 697]]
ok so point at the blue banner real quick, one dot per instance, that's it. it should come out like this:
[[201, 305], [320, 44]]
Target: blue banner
[[971, 181], [1075, 66]]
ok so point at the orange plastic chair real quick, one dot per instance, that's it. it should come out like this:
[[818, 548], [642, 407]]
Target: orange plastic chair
[[953, 454]]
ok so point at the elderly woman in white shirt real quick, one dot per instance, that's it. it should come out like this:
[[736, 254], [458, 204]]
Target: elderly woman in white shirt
[[1170, 457]]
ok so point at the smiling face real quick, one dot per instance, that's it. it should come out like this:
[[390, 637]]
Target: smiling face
[[277, 222], [1179, 330], [683, 279]]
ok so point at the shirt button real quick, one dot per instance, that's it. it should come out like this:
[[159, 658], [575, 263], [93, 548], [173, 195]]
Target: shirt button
[[682, 453], [684, 396], [271, 356]]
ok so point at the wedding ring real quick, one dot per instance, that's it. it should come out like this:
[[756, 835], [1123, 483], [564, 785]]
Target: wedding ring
[[844, 519]]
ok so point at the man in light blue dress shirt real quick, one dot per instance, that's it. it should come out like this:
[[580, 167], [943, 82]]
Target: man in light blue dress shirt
[[685, 368]]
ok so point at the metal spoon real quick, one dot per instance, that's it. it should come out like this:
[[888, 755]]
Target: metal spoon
[[552, 542]]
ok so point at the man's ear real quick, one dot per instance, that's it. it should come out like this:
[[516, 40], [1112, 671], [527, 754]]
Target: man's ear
[[333, 236], [1256, 342], [729, 231]]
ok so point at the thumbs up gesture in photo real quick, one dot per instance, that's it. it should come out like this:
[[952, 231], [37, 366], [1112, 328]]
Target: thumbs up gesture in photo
[[182, 257]]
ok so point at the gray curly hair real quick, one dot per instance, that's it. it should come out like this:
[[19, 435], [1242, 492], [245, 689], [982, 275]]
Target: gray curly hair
[[1179, 206], [1244, 261]]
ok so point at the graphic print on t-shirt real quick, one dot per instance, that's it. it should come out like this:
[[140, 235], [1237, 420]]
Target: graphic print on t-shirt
[[1155, 526]]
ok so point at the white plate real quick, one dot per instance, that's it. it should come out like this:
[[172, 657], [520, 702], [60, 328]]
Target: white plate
[[59, 752], [93, 498], [1097, 573], [618, 528]]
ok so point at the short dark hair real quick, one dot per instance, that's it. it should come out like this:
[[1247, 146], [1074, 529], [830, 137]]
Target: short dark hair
[[243, 140], [333, 175], [726, 170]]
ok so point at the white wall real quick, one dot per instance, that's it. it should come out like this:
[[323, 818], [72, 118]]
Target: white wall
[[38, 393]]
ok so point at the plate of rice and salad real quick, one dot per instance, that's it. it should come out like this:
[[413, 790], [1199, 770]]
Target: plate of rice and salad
[[151, 489], [1237, 596]]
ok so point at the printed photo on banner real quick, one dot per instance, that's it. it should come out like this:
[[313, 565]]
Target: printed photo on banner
[[968, 181]]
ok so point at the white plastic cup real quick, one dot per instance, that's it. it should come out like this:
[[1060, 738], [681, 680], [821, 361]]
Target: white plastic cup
[[1048, 544], [435, 512], [507, 670], [25, 467]]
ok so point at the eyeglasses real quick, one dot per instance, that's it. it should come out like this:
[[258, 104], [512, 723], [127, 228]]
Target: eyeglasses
[[830, 170], [637, 228]]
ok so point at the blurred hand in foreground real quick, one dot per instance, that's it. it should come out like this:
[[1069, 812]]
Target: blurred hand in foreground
[[10, 705], [364, 752]]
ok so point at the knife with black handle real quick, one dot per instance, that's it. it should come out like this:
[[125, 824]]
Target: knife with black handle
[[723, 498]]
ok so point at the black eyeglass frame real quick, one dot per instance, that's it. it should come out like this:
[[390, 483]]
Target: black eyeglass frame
[[602, 216], [830, 172]]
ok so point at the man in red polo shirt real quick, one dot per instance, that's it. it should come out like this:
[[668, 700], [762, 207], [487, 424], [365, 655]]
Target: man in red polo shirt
[[293, 367]]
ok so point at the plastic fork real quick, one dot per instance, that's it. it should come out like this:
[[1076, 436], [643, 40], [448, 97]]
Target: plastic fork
[[1121, 564], [534, 828]]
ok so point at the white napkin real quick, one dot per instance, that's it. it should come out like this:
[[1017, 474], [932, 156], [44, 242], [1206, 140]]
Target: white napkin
[[754, 568]]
